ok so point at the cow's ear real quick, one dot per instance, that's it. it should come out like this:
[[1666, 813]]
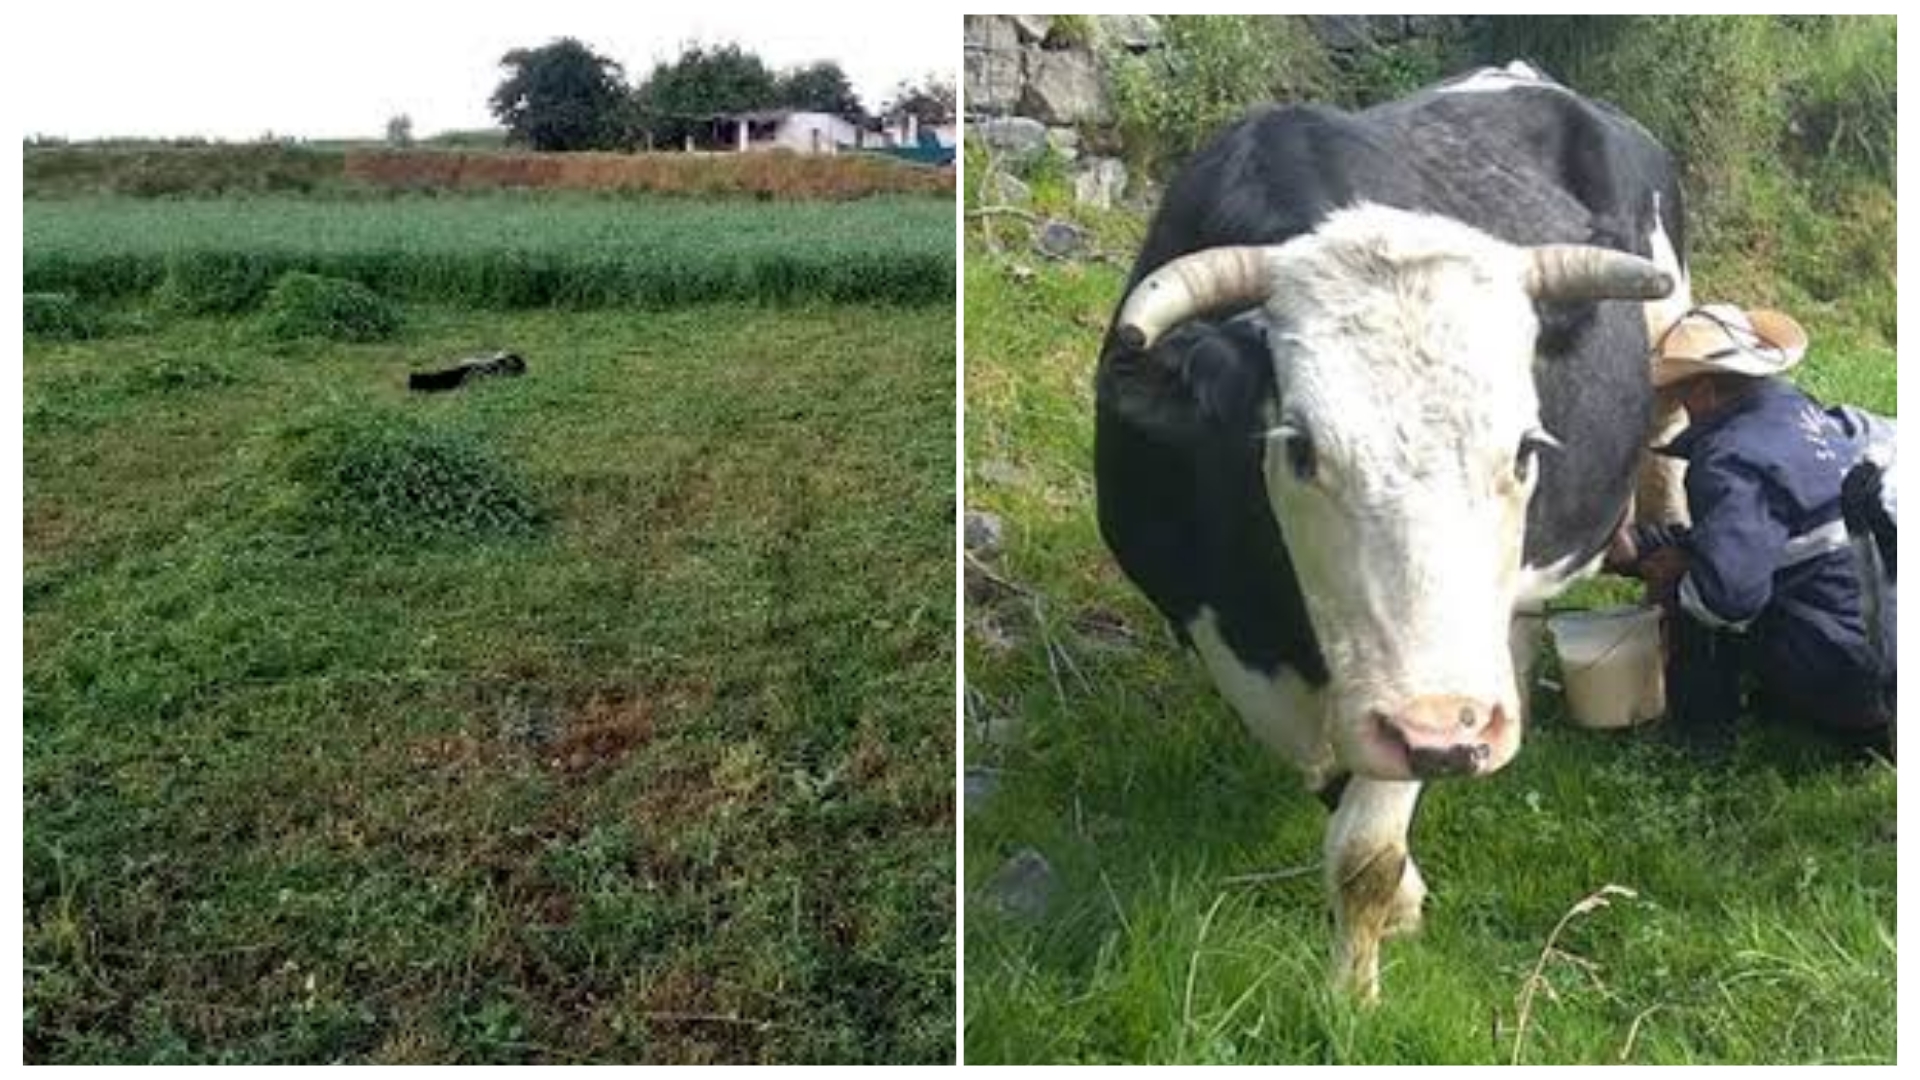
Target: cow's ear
[[1201, 380]]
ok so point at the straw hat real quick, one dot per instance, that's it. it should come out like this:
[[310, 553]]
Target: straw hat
[[1723, 338]]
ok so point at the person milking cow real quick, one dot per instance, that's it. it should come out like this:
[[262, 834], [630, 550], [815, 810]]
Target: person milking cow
[[1763, 585]]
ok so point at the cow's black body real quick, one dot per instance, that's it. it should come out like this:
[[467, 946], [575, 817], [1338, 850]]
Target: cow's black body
[[1181, 497]]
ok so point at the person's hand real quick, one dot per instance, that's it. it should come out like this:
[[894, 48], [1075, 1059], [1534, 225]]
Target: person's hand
[[1662, 572], [1622, 556]]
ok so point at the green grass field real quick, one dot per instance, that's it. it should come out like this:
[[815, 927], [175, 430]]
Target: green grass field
[[1183, 929], [598, 715], [510, 251]]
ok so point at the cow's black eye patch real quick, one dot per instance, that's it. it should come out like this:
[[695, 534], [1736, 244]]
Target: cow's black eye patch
[[1301, 459]]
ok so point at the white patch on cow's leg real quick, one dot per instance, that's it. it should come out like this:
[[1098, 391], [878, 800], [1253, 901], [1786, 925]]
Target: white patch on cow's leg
[[1660, 493], [1408, 902], [1375, 888], [1282, 711]]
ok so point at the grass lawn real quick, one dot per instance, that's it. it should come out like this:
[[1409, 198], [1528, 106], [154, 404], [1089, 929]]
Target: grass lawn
[[1761, 925], [639, 750]]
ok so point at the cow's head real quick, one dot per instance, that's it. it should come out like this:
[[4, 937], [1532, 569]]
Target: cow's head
[[1401, 451]]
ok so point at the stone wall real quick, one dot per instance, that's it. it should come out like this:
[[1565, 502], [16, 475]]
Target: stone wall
[[1034, 82]]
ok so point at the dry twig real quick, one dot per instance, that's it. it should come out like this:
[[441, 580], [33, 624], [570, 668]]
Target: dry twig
[[1536, 980]]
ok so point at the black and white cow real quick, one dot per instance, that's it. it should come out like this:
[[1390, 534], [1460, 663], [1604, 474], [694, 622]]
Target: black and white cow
[[1379, 383]]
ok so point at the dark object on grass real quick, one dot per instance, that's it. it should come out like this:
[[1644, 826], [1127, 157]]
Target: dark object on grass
[[453, 378]]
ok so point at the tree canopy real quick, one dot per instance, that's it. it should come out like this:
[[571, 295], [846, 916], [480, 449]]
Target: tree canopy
[[562, 96], [931, 100], [820, 87]]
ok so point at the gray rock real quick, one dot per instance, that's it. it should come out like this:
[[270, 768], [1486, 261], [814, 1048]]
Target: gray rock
[[1033, 28], [984, 533], [994, 68], [1017, 140], [1024, 886], [1006, 188], [978, 787], [1102, 182], [1341, 32], [1059, 240], [1387, 29], [1002, 731], [1134, 33], [1064, 142], [1435, 26], [988, 628], [999, 471], [1065, 87], [984, 725]]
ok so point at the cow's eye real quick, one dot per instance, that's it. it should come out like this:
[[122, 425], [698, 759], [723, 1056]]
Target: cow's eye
[[1530, 446], [1300, 456]]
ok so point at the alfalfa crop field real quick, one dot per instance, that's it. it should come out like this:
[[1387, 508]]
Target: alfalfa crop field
[[598, 714]]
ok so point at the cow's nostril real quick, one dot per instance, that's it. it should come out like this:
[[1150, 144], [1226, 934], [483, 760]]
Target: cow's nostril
[[1467, 717]]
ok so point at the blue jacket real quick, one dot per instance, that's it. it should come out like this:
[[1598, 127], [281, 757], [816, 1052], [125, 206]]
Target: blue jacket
[[1768, 550]]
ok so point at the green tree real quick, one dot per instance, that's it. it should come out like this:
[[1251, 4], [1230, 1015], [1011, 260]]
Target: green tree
[[820, 87], [562, 96], [680, 98], [931, 100]]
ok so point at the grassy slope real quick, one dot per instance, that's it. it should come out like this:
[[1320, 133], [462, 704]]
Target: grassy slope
[[1764, 924], [669, 780]]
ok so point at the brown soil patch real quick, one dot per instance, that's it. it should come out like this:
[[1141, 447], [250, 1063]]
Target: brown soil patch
[[601, 732], [765, 175]]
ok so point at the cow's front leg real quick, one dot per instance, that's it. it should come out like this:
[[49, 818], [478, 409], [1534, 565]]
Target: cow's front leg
[[1375, 888]]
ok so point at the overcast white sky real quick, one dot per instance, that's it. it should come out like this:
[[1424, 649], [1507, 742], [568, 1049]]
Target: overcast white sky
[[318, 68]]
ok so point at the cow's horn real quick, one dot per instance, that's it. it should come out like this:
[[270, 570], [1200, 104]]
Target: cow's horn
[[1204, 282], [1585, 272]]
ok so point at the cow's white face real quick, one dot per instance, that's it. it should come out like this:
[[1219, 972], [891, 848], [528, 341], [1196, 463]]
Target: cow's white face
[[1400, 458]]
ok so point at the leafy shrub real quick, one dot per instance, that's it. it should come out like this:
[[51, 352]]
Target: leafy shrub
[[1385, 72], [213, 282], [57, 315], [1213, 69], [155, 169], [1844, 96], [394, 475], [1784, 128], [304, 305]]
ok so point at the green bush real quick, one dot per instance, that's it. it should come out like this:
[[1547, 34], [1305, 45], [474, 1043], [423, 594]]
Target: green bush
[[1707, 86], [157, 169], [57, 315], [304, 305], [393, 475], [1213, 69], [1844, 95], [1784, 128], [1387, 72], [213, 282]]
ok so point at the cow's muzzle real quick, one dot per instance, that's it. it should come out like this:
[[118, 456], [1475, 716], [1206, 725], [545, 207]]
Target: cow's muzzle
[[1439, 735]]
